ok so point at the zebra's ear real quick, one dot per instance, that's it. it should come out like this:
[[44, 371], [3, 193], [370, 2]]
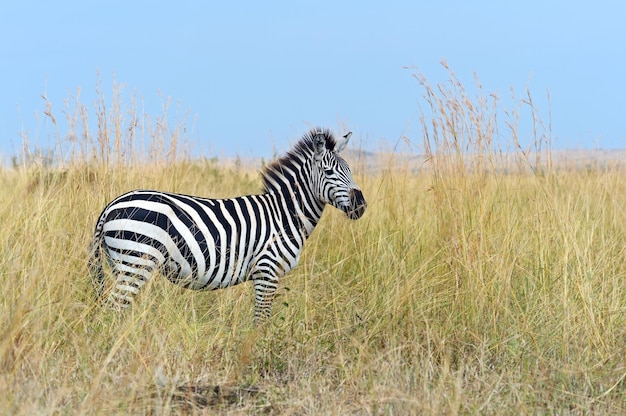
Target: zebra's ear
[[319, 141], [341, 144]]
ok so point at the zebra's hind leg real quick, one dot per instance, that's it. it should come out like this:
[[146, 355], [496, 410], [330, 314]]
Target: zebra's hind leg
[[128, 283]]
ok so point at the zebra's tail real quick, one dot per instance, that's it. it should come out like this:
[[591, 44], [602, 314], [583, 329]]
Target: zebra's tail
[[95, 263]]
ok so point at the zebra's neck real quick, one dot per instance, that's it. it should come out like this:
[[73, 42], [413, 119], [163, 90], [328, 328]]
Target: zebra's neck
[[291, 183]]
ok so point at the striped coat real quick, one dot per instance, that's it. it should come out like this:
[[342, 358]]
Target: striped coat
[[202, 243]]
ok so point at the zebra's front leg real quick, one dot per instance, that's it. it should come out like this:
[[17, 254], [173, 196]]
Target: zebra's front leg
[[264, 291]]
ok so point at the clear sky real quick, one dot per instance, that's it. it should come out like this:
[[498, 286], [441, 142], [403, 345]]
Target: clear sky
[[254, 76]]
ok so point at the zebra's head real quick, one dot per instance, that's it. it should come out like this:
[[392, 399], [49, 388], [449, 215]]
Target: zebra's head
[[332, 179]]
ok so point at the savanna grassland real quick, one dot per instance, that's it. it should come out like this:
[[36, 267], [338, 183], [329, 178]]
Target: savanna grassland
[[478, 282]]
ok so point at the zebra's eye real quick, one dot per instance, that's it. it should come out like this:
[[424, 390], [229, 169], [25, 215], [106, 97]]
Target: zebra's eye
[[328, 171]]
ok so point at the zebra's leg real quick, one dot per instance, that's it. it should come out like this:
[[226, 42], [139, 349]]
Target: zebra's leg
[[128, 283], [264, 291]]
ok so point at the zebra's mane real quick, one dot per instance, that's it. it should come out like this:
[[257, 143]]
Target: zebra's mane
[[300, 152]]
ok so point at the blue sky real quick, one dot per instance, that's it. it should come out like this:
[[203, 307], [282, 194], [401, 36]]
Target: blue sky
[[253, 76]]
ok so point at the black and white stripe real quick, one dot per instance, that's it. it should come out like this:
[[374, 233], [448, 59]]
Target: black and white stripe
[[202, 243]]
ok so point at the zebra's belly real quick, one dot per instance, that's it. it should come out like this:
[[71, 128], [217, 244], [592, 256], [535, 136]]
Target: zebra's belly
[[217, 278]]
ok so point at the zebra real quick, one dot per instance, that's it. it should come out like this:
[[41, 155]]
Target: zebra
[[200, 243]]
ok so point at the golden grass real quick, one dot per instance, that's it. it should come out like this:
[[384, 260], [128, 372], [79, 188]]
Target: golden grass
[[461, 291]]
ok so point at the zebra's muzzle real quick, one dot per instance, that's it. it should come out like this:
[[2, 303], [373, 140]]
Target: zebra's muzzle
[[357, 204]]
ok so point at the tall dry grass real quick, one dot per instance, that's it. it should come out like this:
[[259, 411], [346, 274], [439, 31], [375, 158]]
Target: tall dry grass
[[483, 281]]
